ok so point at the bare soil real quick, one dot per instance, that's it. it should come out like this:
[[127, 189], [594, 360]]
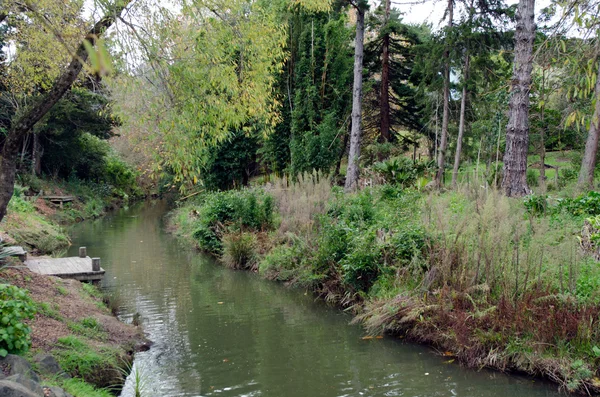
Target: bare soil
[[73, 304]]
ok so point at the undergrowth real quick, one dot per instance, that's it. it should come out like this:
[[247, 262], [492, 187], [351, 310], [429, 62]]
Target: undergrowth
[[497, 282]]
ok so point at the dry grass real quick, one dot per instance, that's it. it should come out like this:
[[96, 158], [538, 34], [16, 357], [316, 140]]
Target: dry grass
[[484, 238], [299, 202]]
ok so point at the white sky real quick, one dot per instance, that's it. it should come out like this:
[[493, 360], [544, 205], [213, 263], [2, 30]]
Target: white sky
[[433, 11]]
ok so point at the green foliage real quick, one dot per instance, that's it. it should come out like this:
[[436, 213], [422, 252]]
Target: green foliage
[[88, 327], [361, 264], [287, 262], [585, 204], [73, 135], [230, 165], [532, 177], [79, 359], [239, 250], [79, 388], [320, 45], [401, 170], [18, 203], [15, 308], [49, 310], [535, 205], [219, 212], [587, 289], [92, 290]]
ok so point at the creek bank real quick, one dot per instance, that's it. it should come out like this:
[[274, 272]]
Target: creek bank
[[18, 379], [435, 269], [75, 330]]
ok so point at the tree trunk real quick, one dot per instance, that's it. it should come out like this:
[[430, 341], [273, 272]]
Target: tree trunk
[[461, 124], [446, 115], [385, 80], [514, 180], [588, 164], [36, 158], [355, 134], [23, 124]]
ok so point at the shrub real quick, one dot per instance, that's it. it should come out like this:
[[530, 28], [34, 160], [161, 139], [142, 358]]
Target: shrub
[[361, 265], [207, 239], [15, 307], [532, 177], [408, 244], [221, 212], [239, 250], [535, 205], [585, 204], [284, 262], [402, 170]]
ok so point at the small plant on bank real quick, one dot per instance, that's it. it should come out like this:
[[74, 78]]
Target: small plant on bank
[[535, 205], [239, 250], [15, 307]]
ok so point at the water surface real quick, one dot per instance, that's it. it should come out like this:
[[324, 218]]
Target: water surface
[[219, 332]]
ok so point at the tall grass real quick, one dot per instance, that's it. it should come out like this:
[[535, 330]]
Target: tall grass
[[299, 201], [482, 237]]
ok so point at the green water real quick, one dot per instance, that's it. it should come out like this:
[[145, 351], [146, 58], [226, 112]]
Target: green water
[[219, 332]]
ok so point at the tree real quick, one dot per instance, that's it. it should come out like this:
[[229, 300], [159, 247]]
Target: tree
[[30, 116], [391, 105], [446, 100], [352, 172], [588, 163], [514, 181], [385, 77]]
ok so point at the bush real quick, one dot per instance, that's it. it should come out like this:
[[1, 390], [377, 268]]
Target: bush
[[285, 262], [532, 177], [15, 307], [402, 170], [535, 205], [585, 204], [219, 213], [360, 266], [239, 250]]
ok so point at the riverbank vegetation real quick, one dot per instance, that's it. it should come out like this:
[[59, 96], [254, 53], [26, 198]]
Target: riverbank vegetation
[[66, 331], [493, 281], [468, 217]]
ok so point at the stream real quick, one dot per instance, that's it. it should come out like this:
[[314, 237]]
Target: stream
[[219, 332]]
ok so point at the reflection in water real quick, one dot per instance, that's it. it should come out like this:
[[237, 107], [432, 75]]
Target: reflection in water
[[219, 332]]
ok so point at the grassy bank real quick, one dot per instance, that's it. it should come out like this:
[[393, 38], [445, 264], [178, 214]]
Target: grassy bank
[[72, 322], [495, 282], [63, 318], [36, 223]]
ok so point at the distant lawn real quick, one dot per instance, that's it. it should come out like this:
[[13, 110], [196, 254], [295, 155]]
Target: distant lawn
[[467, 172]]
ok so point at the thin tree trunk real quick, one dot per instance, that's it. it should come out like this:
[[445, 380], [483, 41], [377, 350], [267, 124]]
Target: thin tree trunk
[[588, 164], [514, 180], [461, 124], [28, 119], [446, 115], [355, 134], [36, 157], [385, 80], [542, 178]]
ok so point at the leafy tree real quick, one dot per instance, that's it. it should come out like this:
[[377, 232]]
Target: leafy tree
[[28, 117]]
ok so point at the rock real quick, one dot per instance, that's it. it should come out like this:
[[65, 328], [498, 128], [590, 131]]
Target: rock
[[26, 382], [13, 365], [13, 389], [54, 391], [48, 365]]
